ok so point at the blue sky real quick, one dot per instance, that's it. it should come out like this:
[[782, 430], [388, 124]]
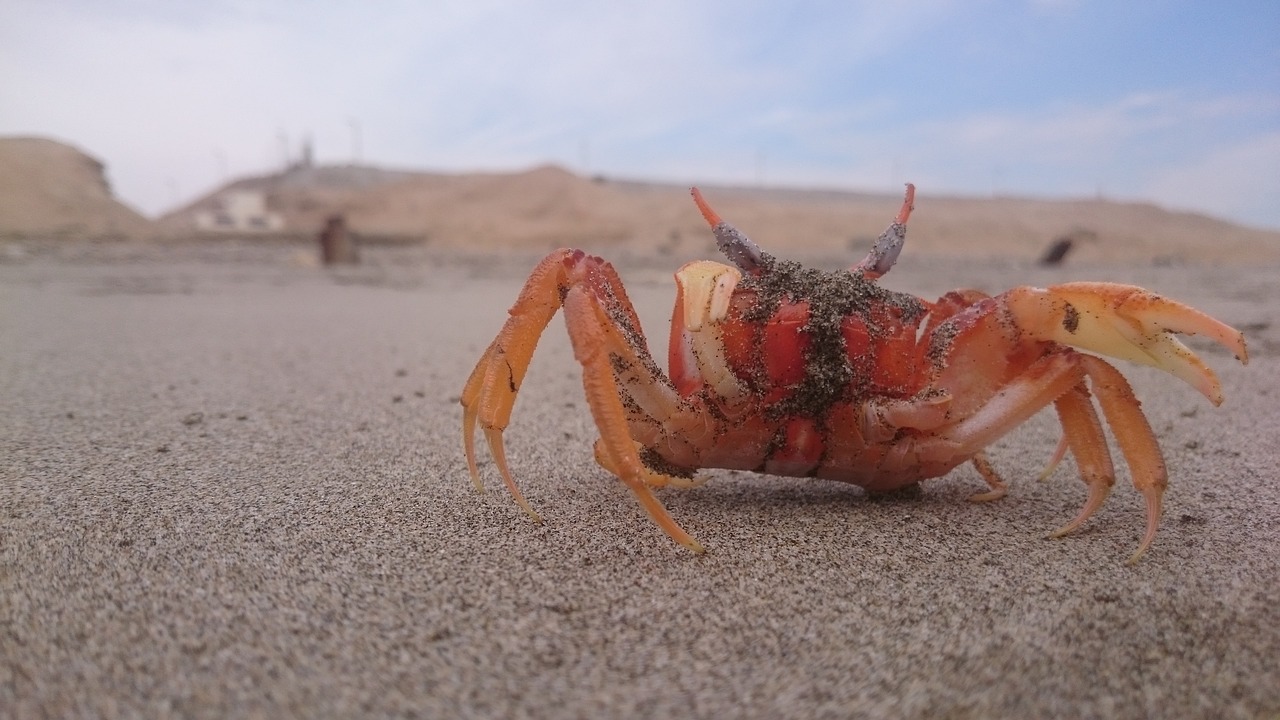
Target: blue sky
[[1171, 102]]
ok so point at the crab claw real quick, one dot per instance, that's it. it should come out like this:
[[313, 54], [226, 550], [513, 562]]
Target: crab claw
[[704, 290], [1126, 322]]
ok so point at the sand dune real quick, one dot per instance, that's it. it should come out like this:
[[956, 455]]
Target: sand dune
[[49, 189], [548, 207]]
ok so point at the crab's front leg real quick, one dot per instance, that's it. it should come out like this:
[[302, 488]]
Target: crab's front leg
[[490, 392], [605, 332]]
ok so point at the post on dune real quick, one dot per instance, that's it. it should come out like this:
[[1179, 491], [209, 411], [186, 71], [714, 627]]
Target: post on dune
[[337, 245]]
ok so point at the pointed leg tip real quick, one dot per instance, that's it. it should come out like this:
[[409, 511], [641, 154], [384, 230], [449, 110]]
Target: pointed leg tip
[[528, 510], [1060, 532], [474, 470], [987, 496], [1154, 506], [1058, 454]]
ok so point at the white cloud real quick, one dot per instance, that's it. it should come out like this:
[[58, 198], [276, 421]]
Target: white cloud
[[163, 92], [1158, 146], [1241, 180]]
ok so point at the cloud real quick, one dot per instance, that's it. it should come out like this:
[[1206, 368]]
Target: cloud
[[862, 95], [1156, 145], [1241, 180]]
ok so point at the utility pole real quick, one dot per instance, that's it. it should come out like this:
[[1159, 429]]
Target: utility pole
[[284, 148], [355, 140]]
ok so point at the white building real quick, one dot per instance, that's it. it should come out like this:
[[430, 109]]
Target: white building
[[239, 211]]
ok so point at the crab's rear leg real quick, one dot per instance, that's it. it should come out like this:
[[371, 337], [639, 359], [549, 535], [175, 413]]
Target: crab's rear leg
[[999, 488], [1082, 434]]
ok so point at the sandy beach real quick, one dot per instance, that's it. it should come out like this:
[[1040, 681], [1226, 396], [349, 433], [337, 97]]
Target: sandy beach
[[232, 485]]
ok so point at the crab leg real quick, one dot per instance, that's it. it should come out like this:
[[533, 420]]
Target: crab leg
[[490, 392], [1043, 382], [1057, 378], [1082, 433], [1137, 325], [1117, 320], [584, 318], [998, 486], [1059, 453], [1136, 440], [603, 327]]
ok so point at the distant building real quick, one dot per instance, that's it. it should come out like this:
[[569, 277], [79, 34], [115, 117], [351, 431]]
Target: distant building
[[239, 211]]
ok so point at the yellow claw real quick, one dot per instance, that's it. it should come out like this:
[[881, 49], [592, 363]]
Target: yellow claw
[[705, 289], [1126, 322], [708, 287]]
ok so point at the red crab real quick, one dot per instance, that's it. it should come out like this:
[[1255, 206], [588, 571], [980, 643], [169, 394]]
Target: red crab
[[787, 370]]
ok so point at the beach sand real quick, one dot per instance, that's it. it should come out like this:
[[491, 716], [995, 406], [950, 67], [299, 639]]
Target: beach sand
[[232, 484]]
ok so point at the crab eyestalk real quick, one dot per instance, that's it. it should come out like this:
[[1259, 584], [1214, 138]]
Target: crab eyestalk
[[889, 245], [736, 246]]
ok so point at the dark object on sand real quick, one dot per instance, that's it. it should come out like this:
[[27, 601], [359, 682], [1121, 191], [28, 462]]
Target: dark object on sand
[[1056, 253], [336, 244]]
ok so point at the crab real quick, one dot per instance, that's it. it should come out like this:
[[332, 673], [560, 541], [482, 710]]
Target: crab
[[792, 371]]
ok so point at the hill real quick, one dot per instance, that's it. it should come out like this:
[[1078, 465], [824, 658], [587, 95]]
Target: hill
[[548, 206], [50, 189]]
